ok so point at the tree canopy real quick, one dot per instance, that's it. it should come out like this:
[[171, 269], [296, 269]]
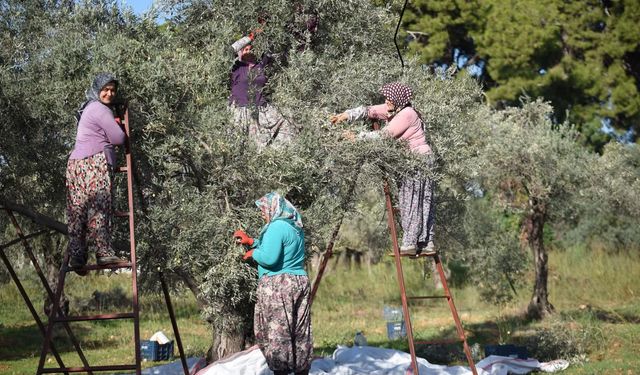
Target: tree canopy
[[197, 176]]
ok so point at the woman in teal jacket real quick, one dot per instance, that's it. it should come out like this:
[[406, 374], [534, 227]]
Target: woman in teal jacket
[[282, 320]]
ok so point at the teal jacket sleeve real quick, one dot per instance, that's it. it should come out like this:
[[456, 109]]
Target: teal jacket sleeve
[[270, 249]]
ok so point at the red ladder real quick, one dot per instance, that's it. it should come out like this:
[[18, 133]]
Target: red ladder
[[403, 293], [57, 316]]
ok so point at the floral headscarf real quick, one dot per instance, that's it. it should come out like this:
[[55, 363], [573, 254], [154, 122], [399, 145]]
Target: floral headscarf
[[398, 93], [274, 206]]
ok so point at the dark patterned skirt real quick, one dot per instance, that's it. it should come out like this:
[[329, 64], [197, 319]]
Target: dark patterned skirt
[[282, 322], [417, 211]]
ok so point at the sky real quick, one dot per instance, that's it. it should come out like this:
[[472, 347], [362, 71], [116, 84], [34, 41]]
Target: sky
[[139, 6]]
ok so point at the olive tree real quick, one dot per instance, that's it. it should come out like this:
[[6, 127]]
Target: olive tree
[[536, 169], [196, 174]]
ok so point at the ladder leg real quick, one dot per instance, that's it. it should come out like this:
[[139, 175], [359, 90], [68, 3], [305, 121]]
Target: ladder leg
[[454, 313], [403, 292], [132, 243], [52, 315], [323, 262], [55, 301], [167, 299], [25, 296], [329, 251]]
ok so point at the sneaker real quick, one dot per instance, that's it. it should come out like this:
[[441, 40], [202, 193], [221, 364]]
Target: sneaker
[[430, 249], [407, 250], [76, 263], [106, 260]]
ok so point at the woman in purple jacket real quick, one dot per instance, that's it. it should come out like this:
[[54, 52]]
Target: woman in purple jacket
[[251, 110], [89, 175]]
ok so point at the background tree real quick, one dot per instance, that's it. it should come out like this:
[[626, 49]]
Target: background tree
[[532, 168], [610, 209], [581, 56]]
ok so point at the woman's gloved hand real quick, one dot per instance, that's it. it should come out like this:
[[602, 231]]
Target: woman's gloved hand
[[248, 255], [242, 238]]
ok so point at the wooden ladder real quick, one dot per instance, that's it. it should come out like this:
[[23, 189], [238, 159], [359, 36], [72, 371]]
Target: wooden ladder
[[403, 293]]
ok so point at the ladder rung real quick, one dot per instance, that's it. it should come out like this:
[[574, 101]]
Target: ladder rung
[[429, 254], [428, 297], [92, 267], [90, 368], [121, 213], [121, 169], [95, 317], [414, 256], [439, 342]]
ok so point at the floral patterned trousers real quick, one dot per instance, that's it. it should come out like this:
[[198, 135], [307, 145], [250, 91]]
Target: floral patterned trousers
[[282, 322], [89, 205], [265, 125]]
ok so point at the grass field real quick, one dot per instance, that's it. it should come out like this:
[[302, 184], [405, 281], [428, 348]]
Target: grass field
[[596, 325]]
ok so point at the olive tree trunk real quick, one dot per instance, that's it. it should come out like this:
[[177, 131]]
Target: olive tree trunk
[[533, 226]]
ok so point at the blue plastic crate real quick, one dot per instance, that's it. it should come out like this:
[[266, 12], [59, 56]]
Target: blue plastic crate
[[396, 330], [152, 351], [507, 350]]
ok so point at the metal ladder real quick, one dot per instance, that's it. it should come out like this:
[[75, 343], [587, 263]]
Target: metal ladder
[[403, 293], [57, 316]]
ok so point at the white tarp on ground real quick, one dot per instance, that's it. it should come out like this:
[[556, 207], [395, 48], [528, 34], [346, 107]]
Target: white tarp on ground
[[377, 361], [175, 368]]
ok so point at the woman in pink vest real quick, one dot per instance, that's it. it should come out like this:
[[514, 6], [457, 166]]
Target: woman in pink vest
[[415, 193]]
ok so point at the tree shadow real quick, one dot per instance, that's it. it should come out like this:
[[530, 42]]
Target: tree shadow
[[606, 316], [19, 342]]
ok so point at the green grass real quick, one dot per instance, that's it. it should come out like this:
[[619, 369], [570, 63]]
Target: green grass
[[103, 342], [596, 326], [596, 296]]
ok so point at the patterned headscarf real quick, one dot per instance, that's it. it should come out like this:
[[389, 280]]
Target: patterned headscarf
[[274, 206], [398, 93], [101, 80], [93, 92]]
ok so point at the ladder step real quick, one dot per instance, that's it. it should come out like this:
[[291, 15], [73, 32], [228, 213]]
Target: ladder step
[[121, 169], [121, 213], [95, 317], [423, 254], [429, 297], [93, 267], [440, 342], [90, 368]]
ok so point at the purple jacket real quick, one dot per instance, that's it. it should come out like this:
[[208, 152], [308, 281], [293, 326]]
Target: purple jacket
[[247, 80], [97, 131]]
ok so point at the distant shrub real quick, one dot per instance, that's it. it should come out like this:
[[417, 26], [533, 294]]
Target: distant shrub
[[565, 340]]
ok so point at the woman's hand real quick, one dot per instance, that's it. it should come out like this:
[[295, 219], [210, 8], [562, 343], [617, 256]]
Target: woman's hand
[[242, 238], [349, 135], [248, 255], [336, 119]]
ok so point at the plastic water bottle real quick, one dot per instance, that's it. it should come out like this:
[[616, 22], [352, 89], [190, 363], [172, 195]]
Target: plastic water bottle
[[359, 339]]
